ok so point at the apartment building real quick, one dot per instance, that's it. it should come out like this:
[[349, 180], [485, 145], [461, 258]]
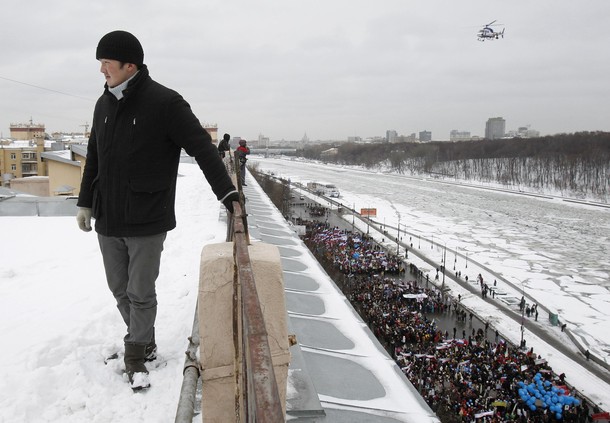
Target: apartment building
[[21, 158]]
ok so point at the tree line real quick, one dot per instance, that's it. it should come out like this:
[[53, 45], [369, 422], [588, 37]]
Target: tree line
[[576, 165]]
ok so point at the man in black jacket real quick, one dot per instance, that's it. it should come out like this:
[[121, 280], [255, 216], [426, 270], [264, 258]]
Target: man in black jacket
[[129, 185], [224, 145]]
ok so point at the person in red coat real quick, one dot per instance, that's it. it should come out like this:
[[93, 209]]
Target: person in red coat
[[242, 151]]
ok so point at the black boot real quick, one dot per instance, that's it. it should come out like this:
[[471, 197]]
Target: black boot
[[135, 355], [150, 353]]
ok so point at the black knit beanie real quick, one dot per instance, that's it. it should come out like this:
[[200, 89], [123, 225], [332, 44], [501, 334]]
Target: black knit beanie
[[121, 46]]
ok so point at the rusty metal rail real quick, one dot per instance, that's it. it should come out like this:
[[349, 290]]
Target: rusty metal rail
[[261, 400], [257, 398]]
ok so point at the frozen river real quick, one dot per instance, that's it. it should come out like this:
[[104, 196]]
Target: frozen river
[[556, 251]]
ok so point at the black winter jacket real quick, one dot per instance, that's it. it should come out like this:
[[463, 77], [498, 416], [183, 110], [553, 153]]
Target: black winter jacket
[[133, 154]]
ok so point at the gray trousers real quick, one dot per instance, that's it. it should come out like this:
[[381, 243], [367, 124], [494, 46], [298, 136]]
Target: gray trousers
[[242, 172], [132, 267]]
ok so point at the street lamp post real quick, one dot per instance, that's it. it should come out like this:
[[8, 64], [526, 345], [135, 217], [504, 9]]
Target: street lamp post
[[444, 266], [522, 305], [398, 239]]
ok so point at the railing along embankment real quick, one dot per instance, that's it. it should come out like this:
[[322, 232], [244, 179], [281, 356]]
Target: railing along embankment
[[239, 344]]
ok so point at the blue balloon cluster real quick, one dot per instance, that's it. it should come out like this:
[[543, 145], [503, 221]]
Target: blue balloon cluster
[[550, 396]]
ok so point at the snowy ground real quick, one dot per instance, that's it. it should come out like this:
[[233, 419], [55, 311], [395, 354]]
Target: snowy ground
[[59, 320], [554, 251]]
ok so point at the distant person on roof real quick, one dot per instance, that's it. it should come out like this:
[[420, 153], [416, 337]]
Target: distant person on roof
[[242, 151], [224, 145]]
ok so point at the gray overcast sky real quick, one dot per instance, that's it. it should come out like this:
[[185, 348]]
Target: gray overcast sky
[[328, 68]]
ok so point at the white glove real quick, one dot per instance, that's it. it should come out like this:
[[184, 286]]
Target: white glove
[[83, 218]]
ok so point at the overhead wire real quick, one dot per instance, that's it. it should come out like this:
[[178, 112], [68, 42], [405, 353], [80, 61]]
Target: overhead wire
[[46, 89]]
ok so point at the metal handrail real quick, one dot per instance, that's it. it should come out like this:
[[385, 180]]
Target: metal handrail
[[257, 388], [260, 392]]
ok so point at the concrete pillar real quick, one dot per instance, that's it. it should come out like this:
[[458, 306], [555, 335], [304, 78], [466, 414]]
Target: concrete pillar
[[217, 353]]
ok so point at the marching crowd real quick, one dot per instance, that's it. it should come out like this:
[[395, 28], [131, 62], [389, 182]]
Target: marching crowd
[[464, 379], [352, 253]]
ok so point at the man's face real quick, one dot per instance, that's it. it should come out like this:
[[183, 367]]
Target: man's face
[[116, 72]]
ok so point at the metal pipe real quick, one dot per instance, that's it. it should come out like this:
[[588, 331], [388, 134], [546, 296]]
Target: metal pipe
[[191, 374]]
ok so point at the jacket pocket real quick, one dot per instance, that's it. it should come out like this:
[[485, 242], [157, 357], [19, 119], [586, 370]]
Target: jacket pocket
[[147, 200]]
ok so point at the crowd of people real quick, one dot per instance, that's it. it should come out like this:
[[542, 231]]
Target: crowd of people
[[475, 377], [352, 253]]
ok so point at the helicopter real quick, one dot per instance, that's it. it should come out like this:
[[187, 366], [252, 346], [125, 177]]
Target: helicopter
[[487, 32]]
